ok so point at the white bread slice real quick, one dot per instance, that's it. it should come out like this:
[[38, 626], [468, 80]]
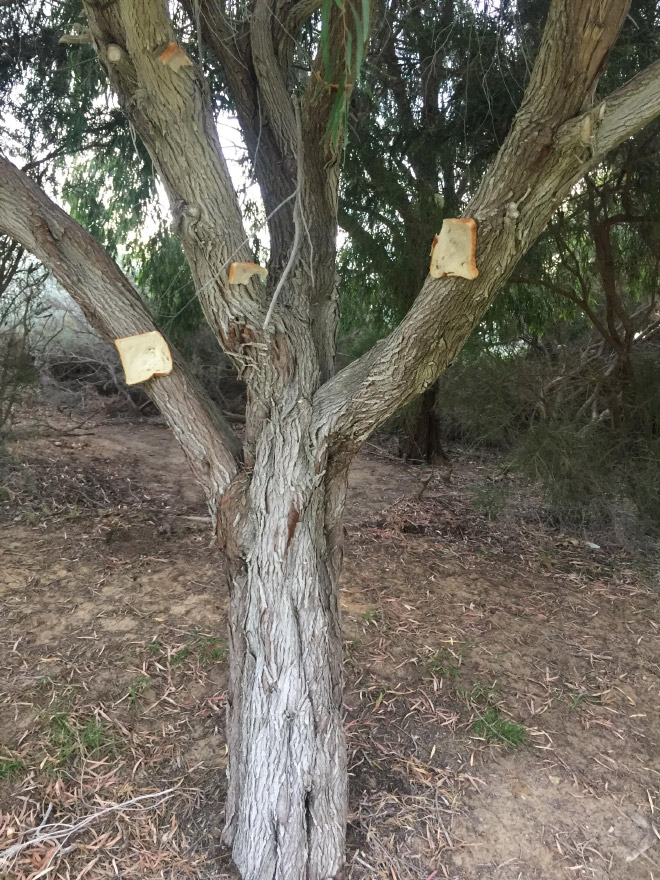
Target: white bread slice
[[144, 356], [240, 273], [453, 251], [174, 56]]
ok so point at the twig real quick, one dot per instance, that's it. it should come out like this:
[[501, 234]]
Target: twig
[[60, 832]]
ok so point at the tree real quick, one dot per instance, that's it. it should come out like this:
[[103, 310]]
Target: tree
[[278, 496]]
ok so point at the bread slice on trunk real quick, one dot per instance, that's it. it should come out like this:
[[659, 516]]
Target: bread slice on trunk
[[454, 250], [144, 356]]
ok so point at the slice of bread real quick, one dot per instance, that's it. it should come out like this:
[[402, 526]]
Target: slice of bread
[[454, 249], [240, 273], [144, 356], [174, 56]]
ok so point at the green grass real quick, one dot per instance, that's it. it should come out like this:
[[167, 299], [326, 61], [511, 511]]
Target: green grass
[[206, 649], [69, 738], [444, 664], [61, 738], [577, 699], [490, 724], [137, 688], [181, 655], [10, 767], [94, 736], [494, 728]]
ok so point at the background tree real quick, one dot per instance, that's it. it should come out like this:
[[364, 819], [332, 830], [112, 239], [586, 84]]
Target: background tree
[[278, 496]]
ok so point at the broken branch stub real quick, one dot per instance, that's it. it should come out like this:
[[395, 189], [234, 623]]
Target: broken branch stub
[[144, 356], [454, 250]]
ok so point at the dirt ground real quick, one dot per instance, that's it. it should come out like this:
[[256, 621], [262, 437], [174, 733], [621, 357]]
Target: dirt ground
[[502, 681]]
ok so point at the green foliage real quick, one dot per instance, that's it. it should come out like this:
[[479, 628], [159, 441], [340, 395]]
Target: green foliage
[[592, 472], [162, 272], [70, 737], [110, 192], [206, 650], [425, 120], [487, 399], [345, 28], [490, 498], [138, 686]]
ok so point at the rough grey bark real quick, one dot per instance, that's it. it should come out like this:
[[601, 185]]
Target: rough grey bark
[[286, 804], [280, 514]]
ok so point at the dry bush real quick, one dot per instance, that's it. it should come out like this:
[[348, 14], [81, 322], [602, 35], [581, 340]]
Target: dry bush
[[20, 300], [589, 443]]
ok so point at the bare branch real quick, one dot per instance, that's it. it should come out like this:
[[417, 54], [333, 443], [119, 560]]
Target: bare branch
[[114, 308], [230, 43], [275, 97]]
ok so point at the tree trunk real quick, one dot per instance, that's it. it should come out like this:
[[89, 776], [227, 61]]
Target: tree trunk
[[287, 797], [422, 438]]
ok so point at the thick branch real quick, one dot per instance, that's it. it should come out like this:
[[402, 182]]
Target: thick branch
[[275, 171], [547, 151], [169, 108], [276, 101], [114, 308]]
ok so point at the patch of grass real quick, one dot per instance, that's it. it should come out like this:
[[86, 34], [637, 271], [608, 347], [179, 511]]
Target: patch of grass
[[445, 664], [61, 738], [207, 649], [370, 615], [577, 699], [138, 687], [69, 737], [155, 647], [10, 767], [210, 650], [494, 728], [181, 655], [490, 723], [94, 735], [490, 499]]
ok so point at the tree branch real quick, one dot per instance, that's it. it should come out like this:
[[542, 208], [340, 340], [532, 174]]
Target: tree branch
[[551, 145], [114, 308], [169, 108], [297, 12], [579, 301], [275, 98], [275, 172]]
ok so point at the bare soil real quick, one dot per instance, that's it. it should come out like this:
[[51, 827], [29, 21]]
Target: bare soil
[[502, 681]]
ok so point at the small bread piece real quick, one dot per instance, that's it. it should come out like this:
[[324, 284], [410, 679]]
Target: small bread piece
[[240, 273], [144, 356], [454, 249], [174, 56]]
